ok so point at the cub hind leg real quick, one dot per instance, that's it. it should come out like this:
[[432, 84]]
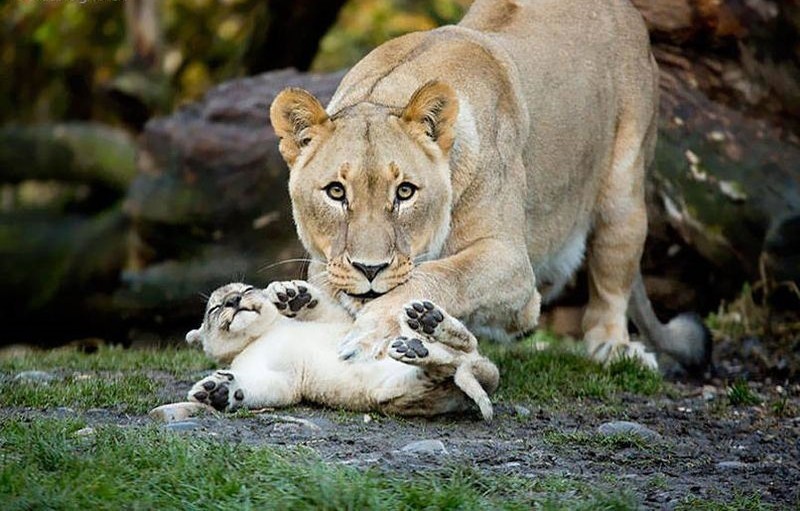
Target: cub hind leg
[[444, 347]]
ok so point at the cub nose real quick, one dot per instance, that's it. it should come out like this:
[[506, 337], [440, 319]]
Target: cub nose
[[370, 270], [233, 300]]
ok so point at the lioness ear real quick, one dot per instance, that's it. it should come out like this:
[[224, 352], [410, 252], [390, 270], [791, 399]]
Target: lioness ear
[[434, 107], [294, 114], [193, 336]]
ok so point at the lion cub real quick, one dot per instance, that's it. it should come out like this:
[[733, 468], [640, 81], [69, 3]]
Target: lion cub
[[281, 344]]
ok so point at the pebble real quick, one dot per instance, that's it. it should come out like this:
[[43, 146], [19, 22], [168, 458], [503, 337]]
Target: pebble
[[709, 392], [425, 447], [34, 377], [367, 418], [627, 428], [522, 411], [174, 412], [182, 425], [85, 432]]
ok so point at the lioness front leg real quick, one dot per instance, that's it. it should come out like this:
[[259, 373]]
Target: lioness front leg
[[489, 275], [302, 301]]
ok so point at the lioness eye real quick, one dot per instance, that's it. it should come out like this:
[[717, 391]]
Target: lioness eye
[[405, 191], [335, 191]]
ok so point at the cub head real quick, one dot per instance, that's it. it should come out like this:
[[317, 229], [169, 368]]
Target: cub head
[[236, 315], [370, 184]]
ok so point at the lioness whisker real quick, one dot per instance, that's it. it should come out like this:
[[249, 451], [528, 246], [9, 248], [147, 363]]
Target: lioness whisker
[[287, 261]]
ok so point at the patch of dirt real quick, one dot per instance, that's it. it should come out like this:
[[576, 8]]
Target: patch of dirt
[[708, 448]]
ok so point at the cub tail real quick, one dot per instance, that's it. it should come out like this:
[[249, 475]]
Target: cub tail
[[685, 338]]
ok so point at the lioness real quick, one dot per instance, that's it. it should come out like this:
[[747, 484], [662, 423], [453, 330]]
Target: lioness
[[281, 344], [457, 163]]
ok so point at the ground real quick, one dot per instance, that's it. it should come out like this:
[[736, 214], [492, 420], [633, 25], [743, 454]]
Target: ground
[[77, 435]]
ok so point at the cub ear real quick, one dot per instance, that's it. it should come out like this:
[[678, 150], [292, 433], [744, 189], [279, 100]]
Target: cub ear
[[193, 336], [294, 113], [434, 108]]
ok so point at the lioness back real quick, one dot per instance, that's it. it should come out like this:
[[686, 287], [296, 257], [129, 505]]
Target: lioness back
[[557, 74]]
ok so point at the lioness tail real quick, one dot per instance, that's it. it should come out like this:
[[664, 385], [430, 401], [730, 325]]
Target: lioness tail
[[685, 338]]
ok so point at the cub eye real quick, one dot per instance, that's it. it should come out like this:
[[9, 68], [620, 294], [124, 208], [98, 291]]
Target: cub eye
[[335, 191], [405, 191]]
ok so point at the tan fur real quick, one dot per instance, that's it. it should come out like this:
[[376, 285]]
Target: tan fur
[[527, 129], [281, 356]]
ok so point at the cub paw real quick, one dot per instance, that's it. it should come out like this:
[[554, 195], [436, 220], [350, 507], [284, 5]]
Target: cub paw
[[405, 349], [607, 352], [430, 322], [423, 316], [292, 298], [220, 390]]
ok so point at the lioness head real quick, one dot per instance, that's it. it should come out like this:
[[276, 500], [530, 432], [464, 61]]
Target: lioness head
[[370, 184], [235, 316]]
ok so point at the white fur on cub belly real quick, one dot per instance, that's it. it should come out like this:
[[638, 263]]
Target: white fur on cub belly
[[555, 272], [305, 354]]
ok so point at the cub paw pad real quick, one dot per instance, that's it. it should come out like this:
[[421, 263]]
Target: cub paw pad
[[215, 391], [423, 316], [292, 299], [409, 348]]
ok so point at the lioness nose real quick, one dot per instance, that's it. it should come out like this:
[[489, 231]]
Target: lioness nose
[[370, 270]]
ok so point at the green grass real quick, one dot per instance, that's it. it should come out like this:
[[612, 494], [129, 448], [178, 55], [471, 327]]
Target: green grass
[[46, 465], [734, 503], [596, 440], [176, 361], [559, 374], [112, 378], [739, 394], [132, 393]]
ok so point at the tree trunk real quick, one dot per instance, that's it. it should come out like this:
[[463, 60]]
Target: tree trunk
[[293, 31]]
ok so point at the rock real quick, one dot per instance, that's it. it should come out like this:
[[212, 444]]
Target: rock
[[522, 411], [174, 412], [367, 418], [426, 447], [627, 428], [731, 465], [283, 422], [709, 392], [85, 432], [182, 426], [34, 377]]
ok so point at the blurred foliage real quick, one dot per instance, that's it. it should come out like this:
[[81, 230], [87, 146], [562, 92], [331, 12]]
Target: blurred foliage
[[59, 59], [364, 24]]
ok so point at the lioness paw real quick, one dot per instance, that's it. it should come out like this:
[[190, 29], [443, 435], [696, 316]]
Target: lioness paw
[[220, 390], [607, 352], [293, 299]]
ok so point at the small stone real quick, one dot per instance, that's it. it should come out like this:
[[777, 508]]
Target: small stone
[[84, 432], [731, 465], [182, 426], [709, 392], [426, 447], [34, 377], [367, 418], [175, 412], [627, 428], [522, 411]]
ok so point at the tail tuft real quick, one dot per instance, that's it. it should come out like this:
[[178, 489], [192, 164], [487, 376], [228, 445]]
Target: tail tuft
[[690, 342]]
